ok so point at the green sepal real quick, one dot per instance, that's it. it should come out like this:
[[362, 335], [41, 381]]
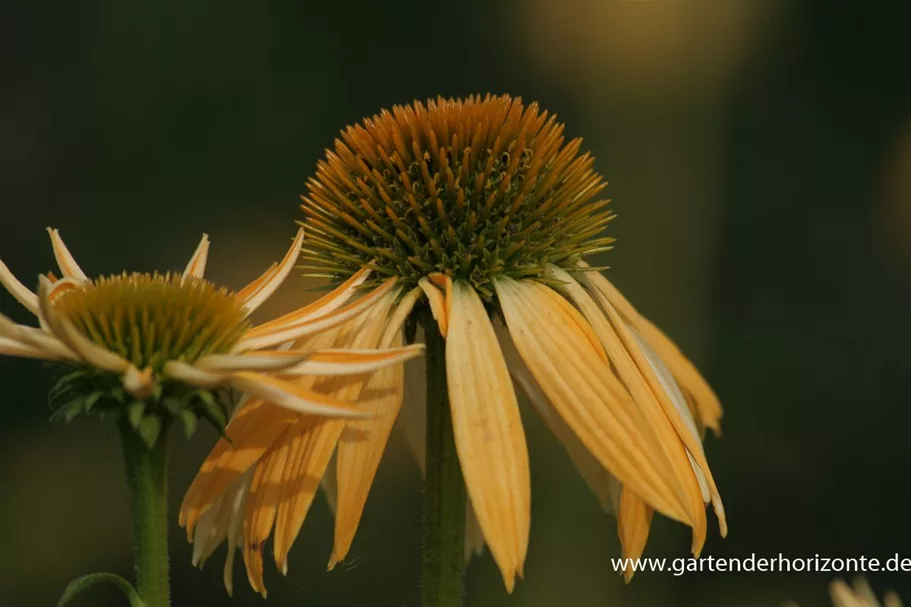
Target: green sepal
[[149, 429], [70, 410], [189, 420], [135, 412], [90, 401], [86, 581], [216, 416]]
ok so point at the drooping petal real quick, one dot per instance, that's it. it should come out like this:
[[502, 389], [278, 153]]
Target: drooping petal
[[488, 432], [196, 268], [262, 504], [362, 443], [353, 362], [683, 370], [325, 304], [215, 524], [600, 481], [670, 398], [254, 427], [276, 277], [257, 340], [360, 451], [315, 442], [689, 432], [64, 330], [18, 290], [236, 527], [65, 260], [584, 392], [645, 395], [291, 396], [634, 521]]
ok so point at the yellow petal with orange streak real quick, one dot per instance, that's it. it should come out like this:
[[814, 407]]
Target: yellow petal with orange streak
[[437, 305], [596, 476], [634, 521], [639, 380], [684, 371], [489, 437], [362, 443], [262, 503], [322, 306], [65, 259], [582, 389], [276, 276], [256, 340], [19, 291], [196, 267], [318, 439], [360, 450], [253, 430]]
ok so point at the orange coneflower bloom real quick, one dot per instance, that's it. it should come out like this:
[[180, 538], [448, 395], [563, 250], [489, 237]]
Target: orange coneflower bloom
[[165, 340], [480, 209]]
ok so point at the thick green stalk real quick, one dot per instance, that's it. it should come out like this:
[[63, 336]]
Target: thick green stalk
[[443, 557], [147, 471]]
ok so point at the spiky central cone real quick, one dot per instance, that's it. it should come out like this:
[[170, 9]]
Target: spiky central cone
[[151, 319], [474, 188]]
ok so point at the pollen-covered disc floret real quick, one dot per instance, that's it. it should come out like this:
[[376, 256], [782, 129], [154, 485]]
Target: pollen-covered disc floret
[[473, 188], [150, 319]]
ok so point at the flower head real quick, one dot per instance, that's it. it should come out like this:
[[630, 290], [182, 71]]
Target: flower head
[[152, 347], [482, 213]]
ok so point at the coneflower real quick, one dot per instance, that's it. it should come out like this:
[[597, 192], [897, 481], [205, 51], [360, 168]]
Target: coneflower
[[152, 350], [483, 215]]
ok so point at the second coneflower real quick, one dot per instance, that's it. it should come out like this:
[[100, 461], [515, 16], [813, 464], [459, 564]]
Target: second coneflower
[[484, 215]]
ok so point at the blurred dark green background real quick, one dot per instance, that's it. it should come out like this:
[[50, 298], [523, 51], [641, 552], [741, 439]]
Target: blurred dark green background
[[759, 155]]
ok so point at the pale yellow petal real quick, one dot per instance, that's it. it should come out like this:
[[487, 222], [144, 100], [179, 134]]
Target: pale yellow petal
[[12, 347], [18, 290], [257, 340], [196, 267], [65, 259], [193, 375], [263, 360], [36, 339], [582, 389], [322, 306], [276, 277], [292, 396], [353, 362], [488, 432]]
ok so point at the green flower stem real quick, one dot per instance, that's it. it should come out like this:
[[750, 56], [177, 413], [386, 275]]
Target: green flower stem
[[147, 481], [443, 557]]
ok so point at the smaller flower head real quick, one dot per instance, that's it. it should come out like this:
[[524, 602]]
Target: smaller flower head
[[155, 348]]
